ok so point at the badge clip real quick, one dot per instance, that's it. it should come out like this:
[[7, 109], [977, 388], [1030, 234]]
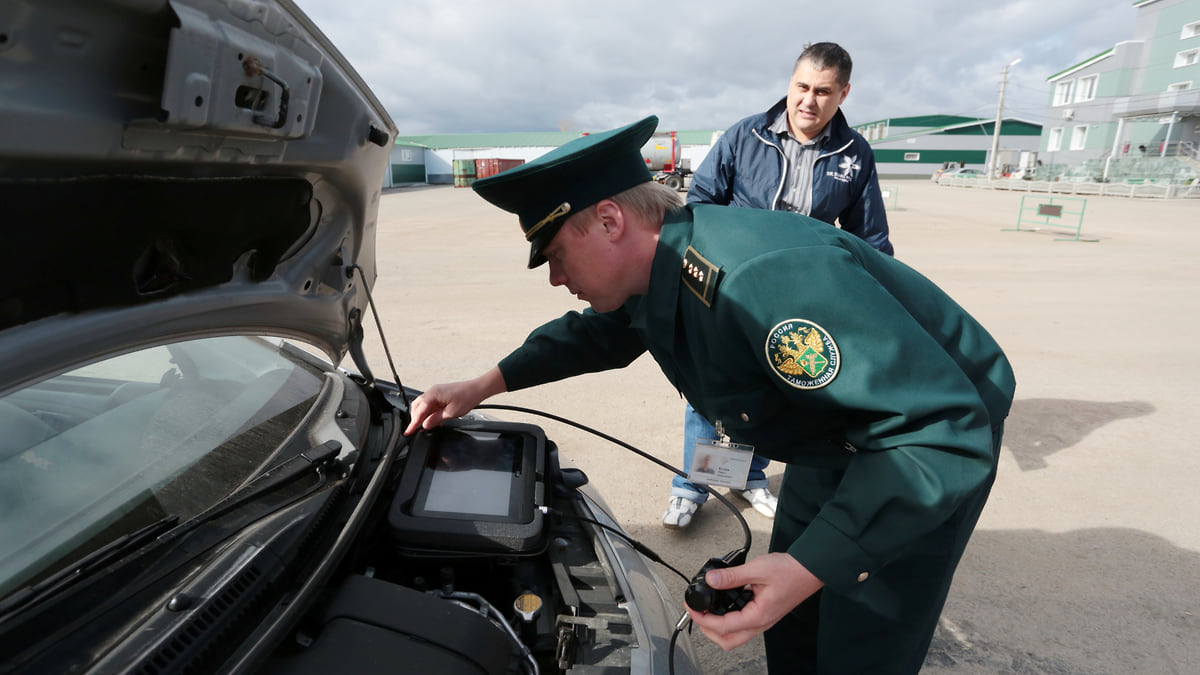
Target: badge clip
[[722, 439], [720, 461]]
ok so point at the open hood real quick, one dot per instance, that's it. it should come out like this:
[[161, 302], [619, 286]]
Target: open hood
[[179, 168]]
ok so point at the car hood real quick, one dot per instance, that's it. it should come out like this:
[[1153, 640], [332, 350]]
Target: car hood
[[180, 168]]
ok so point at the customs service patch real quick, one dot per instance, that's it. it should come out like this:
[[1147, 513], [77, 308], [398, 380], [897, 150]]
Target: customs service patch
[[803, 354]]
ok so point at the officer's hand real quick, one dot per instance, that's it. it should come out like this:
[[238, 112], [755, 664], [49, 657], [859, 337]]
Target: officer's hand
[[455, 399], [779, 583]]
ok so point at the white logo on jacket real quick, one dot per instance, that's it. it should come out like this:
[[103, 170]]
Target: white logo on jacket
[[846, 170]]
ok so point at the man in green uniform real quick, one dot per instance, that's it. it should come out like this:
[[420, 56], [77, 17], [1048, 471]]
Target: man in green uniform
[[883, 396]]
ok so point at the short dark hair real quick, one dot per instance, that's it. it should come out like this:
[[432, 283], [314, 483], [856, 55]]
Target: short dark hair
[[824, 55]]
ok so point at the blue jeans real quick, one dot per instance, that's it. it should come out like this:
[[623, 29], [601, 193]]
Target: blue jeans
[[695, 426]]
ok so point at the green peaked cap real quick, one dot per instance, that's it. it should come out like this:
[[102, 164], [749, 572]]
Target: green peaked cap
[[546, 191]]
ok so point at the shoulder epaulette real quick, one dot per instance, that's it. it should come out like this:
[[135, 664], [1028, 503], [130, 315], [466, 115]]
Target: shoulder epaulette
[[700, 276]]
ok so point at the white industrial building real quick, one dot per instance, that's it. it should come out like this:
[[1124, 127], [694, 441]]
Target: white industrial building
[[432, 158], [1111, 114], [919, 146], [904, 147]]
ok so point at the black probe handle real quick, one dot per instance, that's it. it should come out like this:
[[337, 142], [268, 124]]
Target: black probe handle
[[704, 598]]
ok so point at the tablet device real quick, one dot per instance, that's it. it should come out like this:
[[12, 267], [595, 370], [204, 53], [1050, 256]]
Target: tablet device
[[472, 487]]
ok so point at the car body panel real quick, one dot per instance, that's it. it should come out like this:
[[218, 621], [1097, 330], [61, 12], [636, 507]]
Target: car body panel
[[202, 177], [123, 99], [960, 172]]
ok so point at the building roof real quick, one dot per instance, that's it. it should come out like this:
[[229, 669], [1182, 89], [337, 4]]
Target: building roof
[[698, 136], [1009, 126], [924, 121], [924, 125], [959, 126], [517, 139], [1082, 64], [526, 139]]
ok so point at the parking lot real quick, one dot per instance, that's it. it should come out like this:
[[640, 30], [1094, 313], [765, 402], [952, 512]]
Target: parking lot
[[1087, 558]]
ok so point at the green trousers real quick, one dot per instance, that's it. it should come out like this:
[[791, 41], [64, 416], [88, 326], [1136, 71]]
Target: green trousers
[[830, 634]]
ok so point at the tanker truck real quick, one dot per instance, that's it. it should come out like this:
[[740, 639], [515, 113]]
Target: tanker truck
[[663, 158]]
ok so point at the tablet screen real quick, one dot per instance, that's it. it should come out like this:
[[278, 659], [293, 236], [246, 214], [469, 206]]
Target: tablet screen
[[470, 473]]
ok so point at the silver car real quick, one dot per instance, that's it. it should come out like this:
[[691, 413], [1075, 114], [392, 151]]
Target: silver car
[[188, 482]]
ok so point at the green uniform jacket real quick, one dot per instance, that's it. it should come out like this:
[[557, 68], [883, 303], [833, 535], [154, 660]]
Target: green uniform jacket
[[819, 351]]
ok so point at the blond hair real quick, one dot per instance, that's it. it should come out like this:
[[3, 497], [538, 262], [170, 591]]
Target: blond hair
[[650, 201]]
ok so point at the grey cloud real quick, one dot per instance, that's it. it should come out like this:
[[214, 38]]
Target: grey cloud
[[473, 66]]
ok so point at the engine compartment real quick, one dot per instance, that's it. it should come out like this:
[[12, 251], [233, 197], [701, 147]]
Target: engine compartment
[[527, 591]]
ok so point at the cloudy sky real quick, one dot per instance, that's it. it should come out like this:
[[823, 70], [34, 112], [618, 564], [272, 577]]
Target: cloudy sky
[[451, 66]]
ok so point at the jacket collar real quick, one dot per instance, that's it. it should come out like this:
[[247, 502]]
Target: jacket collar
[[840, 136]]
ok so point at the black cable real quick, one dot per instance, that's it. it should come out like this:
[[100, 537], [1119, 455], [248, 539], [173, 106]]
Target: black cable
[[735, 554], [637, 545], [644, 550], [495, 406], [746, 537], [671, 650]]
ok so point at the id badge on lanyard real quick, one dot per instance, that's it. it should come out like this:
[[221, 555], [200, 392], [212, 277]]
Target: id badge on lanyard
[[720, 462]]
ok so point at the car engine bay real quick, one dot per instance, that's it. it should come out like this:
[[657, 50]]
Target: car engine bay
[[526, 592]]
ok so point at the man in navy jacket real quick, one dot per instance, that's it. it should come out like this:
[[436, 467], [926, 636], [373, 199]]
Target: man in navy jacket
[[751, 165], [799, 156]]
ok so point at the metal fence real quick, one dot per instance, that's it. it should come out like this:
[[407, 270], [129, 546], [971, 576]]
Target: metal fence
[[1057, 213], [1069, 187]]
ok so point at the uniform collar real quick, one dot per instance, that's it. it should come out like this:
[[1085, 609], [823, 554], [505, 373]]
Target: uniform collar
[[659, 312]]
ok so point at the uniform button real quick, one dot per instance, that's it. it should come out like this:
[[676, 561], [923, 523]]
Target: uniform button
[[745, 417], [863, 577]]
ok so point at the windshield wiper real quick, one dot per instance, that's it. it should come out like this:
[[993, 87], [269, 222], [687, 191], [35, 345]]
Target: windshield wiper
[[278, 476], [282, 474], [85, 565]]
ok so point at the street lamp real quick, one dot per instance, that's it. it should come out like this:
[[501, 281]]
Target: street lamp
[[991, 169]]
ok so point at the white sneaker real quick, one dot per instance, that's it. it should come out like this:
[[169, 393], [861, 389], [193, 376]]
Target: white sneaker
[[679, 513], [761, 499]]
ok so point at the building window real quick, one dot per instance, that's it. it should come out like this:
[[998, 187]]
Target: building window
[[1079, 137], [1190, 30], [912, 156], [1086, 89], [1062, 92], [1179, 86], [1188, 58], [1054, 142]]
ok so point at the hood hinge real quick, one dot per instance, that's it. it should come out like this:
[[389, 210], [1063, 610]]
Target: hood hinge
[[356, 347]]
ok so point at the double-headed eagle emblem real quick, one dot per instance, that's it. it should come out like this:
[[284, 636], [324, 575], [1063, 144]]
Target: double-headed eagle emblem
[[801, 351], [803, 354]]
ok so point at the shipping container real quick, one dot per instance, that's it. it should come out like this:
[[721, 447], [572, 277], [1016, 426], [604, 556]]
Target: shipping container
[[464, 172], [492, 166]]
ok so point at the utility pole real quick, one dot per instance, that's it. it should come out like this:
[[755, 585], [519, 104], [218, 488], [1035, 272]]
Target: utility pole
[[991, 168]]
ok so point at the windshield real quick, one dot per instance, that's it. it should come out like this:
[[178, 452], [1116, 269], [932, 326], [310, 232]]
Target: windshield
[[103, 450]]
